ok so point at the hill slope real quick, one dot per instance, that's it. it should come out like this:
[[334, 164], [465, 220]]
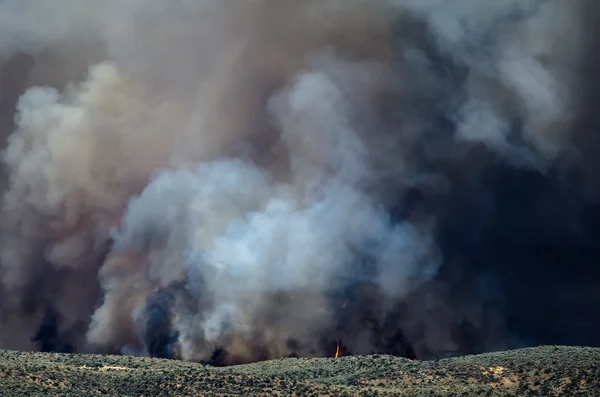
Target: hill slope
[[544, 371]]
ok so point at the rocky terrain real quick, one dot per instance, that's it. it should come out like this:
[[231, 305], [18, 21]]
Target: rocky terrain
[[543, 371]]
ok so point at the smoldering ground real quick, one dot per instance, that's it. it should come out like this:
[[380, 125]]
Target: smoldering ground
[[235, 181]]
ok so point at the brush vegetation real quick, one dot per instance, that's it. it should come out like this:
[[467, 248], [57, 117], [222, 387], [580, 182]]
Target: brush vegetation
[[543, 371]]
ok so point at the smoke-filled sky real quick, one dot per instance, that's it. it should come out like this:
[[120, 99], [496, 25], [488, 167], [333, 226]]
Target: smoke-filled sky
[[236, 180]]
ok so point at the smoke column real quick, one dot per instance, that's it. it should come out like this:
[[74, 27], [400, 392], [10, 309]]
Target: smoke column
[[227, 181]]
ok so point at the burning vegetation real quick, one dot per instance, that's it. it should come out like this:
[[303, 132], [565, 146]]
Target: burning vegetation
[[235, 181]]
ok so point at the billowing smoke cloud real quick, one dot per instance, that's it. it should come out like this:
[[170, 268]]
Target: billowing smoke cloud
[[235, 181]]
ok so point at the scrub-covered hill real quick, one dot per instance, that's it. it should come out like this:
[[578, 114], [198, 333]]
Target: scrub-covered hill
[[543, 371]]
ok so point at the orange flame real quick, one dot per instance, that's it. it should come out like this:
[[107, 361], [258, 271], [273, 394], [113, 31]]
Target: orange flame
[[337, 341]]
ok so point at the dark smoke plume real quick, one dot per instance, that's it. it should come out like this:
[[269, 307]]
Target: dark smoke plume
[[232, 181]]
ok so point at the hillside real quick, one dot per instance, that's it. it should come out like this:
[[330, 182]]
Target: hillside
[[543, 371]]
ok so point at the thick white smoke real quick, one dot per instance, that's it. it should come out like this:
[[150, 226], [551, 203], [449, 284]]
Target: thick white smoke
[[237, 162], [241, 237]]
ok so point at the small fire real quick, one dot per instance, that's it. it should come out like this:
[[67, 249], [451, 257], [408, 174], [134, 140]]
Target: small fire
[[337, 341]]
